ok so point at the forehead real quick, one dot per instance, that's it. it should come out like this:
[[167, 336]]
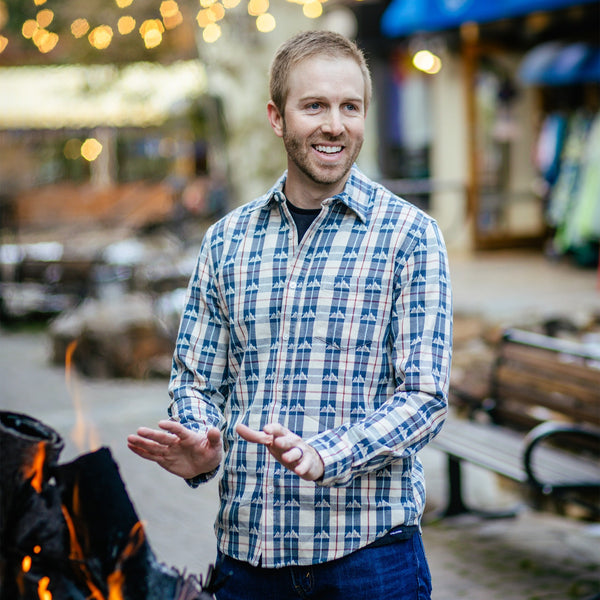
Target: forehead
[[324, 75]]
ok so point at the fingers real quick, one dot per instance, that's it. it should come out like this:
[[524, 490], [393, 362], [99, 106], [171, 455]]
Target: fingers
[[294, 455], [251, 435], [288, 448], [213, 436], [157, 436]]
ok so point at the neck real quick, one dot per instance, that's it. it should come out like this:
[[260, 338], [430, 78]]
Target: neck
[[303, 192]]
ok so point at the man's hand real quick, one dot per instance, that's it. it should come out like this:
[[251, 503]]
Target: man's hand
[[177, 449], [287, 448]]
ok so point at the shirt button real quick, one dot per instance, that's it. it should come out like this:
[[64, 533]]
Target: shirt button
[[270, 489], [292, 285]]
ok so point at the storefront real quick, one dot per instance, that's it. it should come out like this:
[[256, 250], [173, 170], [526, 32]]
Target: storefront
[[504, 130]]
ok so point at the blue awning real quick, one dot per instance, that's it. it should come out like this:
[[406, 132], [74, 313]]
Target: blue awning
[[405, 17], [554, 63]]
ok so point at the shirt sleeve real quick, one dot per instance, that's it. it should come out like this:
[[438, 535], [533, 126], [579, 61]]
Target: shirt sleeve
[[198, 385], [421, 330]]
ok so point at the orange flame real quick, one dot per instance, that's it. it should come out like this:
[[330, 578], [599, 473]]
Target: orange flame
[[43, 591], [81, 431], [116, 579], [76, 555], [26, 564], [35, 471]]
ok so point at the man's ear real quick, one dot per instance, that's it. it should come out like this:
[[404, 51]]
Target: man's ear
[[275, 118]]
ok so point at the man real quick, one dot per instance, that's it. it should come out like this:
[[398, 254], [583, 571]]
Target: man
[[313, 358]]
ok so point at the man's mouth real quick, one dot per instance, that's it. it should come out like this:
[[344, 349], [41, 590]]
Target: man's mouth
[[328, 149]]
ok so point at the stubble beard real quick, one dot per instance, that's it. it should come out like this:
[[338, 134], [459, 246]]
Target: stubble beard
[[295, 148]]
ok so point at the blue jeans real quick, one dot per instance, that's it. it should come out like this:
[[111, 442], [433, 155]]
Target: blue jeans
[[397, 571]]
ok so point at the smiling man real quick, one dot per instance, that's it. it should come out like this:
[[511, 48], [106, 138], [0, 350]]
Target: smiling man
[[313, 358]]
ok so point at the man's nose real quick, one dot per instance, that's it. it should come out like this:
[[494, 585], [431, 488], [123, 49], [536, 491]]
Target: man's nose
[[333, 123]]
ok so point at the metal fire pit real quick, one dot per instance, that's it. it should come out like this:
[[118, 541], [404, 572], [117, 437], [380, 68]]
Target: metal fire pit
[[70, 532]]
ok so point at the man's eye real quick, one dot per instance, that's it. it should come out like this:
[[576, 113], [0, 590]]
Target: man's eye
[[351, 107], [314, 106]]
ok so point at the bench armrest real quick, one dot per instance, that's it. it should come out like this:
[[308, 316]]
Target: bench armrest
[[546, 430]]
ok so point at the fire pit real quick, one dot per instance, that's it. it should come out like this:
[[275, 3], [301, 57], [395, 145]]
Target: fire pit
[[70, 531]]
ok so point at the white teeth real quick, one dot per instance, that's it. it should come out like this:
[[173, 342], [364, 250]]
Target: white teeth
[[329, 149]]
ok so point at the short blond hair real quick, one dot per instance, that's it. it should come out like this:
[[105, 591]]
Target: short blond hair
[[306, 45]]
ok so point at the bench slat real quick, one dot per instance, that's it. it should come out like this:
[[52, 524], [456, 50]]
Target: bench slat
[[501, 450]]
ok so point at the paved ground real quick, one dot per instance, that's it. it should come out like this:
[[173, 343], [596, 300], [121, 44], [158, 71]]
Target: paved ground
[[533, 557]]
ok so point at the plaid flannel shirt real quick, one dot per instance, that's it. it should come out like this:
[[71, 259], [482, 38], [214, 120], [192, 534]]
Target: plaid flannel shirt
[[345, 339]]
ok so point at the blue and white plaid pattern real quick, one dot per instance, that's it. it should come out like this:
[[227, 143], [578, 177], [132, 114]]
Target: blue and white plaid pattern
[[345, 339]]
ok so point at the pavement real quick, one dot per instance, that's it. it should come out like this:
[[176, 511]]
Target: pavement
[[534, 556]]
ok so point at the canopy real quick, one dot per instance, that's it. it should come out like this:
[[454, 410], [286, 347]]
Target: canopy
[[405, 17], [555, 63]]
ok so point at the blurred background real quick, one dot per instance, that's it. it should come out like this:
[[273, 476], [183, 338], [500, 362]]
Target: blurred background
[[128, 126]]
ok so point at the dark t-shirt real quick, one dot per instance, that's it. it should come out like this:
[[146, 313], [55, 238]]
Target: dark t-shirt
[[303, 217]]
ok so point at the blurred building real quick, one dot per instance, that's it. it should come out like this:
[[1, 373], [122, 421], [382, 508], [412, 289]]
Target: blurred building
[[488, 116]]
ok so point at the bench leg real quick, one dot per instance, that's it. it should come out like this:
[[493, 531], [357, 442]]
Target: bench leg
[[456, 504]]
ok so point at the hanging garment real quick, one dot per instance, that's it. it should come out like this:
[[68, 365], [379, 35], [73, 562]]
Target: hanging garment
[[564, 191], [549, 146], [584, 226]]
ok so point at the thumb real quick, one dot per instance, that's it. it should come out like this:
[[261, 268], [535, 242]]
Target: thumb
[[213, 436]]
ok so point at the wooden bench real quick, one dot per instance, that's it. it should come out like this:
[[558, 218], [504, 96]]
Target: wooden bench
[[539, 426]]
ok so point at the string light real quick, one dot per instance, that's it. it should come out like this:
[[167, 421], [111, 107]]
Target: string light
[[79, 27], [211, 12], [90, 149], [100, 37], [125, 25], [427, 61], [257, 7], [44, 17], [151, 31], [312, 9], [265, 23], [211, 33]]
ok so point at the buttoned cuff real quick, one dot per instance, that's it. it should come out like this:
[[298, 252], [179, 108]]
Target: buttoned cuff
[[337, 458], [194, 482]]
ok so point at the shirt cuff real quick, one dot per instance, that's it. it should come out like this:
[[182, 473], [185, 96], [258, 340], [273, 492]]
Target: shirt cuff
[[337, 458], [194, 482]]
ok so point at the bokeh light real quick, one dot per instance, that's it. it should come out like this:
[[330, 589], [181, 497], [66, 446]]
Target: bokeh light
[[427, 61], [151, 31], [265, 23], [312, 9], [258, 7], [211, 33], [90, 149], [79, 27], [125, 25], [72, 149], [29, 28], [44, 17], [100, 37]]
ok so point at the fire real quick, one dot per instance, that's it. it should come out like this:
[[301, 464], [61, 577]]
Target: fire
[[35, 471], [26, 564], [43, 591], [116, 579], [81, 431], [78, 557]]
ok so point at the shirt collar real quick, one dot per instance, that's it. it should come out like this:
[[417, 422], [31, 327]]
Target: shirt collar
[[356, 195]]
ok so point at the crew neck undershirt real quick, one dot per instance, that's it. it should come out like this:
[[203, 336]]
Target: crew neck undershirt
[[303, 217]]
